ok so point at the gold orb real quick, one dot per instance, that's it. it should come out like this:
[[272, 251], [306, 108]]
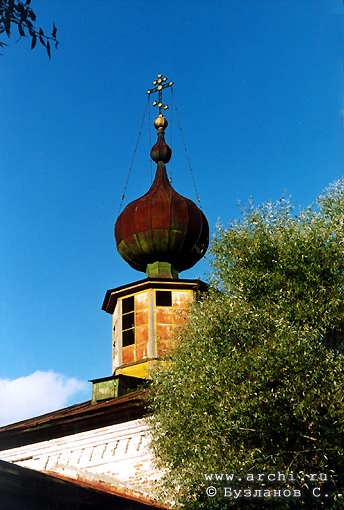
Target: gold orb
[[160, 122]]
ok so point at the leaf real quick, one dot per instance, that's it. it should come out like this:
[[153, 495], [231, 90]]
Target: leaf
[[7, 23], [21, 30], [42, 41], [33, 42], [32, 15], [48, 48], [53, 33], [23, 15]]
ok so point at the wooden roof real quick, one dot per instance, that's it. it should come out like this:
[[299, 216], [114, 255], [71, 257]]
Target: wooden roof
[[73, 419]]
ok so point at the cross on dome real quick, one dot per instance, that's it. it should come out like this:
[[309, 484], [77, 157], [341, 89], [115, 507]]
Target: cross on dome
[[160, 84], [161, 233]]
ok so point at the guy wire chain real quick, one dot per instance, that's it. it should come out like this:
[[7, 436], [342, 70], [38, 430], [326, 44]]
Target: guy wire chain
[[132, 160], [150, 144], [171, 133], [187, 155]]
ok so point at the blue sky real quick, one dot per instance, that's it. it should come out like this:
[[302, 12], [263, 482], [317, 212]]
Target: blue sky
[[259, 93]]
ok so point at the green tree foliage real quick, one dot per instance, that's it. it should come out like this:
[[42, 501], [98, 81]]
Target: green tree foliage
[[254, 384], [19, 14]]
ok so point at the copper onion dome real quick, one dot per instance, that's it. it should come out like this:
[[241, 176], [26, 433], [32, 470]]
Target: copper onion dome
[[162, 232]]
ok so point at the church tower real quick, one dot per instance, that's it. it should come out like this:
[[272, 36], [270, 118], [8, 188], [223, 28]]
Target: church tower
[[96, 454], [160, 234]]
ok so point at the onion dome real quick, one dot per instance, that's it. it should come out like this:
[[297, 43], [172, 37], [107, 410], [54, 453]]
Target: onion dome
[[162, 233]]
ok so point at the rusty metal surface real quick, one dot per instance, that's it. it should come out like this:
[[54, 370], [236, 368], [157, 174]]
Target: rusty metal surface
[[161, 151], [22, 488], [162, 226], [108, 488]]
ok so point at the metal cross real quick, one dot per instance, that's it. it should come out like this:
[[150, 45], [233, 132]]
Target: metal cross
[[160, 84]]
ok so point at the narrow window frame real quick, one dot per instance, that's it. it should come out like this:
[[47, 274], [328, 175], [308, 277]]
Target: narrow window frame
[[128, 321]]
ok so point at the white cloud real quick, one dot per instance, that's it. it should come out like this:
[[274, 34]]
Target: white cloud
[[37, 393]]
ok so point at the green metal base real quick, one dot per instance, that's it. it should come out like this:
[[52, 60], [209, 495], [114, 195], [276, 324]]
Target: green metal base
[[161, 270]]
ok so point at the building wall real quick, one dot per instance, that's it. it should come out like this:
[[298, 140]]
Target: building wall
[[154, 327], [116, 455]]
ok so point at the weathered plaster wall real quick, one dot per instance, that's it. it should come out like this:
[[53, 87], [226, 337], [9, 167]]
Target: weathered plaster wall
[[154, 327], [117, 454]]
